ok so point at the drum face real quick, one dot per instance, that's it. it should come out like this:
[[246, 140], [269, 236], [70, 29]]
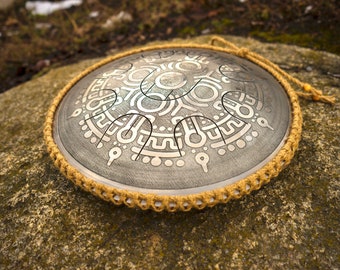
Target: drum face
[[175, 121]]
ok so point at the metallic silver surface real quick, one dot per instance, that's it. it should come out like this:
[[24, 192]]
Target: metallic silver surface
[[174, 121]]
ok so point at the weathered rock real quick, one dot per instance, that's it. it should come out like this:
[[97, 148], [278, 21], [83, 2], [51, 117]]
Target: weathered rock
[[291, 223]]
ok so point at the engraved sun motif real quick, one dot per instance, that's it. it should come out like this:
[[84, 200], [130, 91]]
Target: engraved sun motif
[[172, 108]]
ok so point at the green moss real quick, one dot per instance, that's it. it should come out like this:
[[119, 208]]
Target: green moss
[[265, 14], [301, 39], [323, 41], [188, 31], [220, 25]]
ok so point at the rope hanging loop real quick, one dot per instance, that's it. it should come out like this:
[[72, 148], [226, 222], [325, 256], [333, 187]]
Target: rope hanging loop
[[309, 91]]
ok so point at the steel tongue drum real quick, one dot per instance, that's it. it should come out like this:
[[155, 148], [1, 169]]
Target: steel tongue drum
[[174, 127]]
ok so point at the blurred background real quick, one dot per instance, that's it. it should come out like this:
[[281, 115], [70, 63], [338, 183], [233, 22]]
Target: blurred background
[[38, 35]]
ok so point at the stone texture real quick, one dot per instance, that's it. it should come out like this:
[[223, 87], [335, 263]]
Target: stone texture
[[291, 223]]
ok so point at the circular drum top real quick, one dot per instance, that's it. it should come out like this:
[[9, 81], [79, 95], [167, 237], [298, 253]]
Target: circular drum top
[[175, 121]]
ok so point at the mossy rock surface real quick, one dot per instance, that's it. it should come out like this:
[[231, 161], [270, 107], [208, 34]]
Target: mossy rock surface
[[293, 222]]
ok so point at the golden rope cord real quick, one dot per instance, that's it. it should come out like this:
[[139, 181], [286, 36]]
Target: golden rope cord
[[311, 92], [173, 203]]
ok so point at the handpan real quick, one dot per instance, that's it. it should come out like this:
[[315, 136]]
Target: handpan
[[173, 127]]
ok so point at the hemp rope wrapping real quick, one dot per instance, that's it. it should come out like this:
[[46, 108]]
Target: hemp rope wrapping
[[201, 200]]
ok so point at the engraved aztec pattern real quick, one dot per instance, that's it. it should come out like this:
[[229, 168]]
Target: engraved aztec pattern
[[173, 108]]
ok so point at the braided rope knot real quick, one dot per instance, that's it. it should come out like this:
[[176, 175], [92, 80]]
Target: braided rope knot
[[242, 52], [307, 87], [316, 97], [314, 93]]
